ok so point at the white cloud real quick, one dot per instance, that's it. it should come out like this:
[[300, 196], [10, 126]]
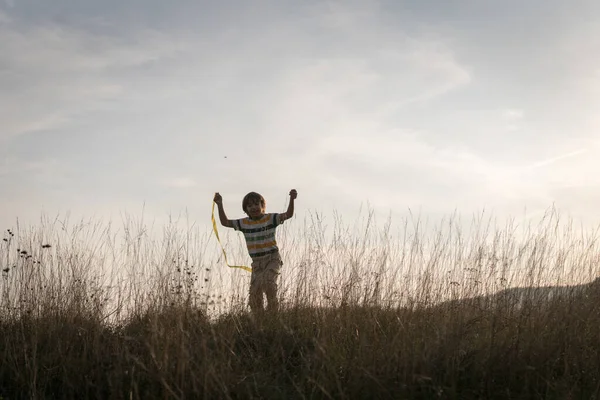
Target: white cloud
[[416, 71], [513, 114], [423, 172], [341, 98], [181, 183], [333, 95], [53, 73], [552, 160], [58, 49]]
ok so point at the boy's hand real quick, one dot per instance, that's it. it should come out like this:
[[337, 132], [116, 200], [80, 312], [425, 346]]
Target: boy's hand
[[218, 199], [293, 194]]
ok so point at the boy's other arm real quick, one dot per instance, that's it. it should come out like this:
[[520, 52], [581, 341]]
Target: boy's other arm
[[222, 216], [290, 211]]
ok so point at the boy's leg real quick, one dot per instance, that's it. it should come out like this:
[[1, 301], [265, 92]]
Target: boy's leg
[[256, 287], [256, 299], [271, 275], [271, 292]]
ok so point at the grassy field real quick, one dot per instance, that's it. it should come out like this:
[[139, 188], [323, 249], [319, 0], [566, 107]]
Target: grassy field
[[367, 313]]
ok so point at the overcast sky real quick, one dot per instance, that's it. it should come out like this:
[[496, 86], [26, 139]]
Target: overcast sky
[[107, 106]]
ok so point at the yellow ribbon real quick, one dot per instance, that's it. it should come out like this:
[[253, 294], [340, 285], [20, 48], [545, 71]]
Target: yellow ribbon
[[214, 223]]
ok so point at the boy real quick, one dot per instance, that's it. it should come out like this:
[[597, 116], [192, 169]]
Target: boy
[[259, 232]]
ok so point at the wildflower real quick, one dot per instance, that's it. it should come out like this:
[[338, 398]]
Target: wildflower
[[46, 246]]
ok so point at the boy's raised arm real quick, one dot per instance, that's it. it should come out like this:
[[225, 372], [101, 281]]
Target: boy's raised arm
[[290, 211], [222, 216]]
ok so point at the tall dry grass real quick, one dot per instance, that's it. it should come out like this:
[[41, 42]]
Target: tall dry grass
[[95, 310]]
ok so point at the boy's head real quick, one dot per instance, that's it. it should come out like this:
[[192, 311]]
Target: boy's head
[[254, 204]]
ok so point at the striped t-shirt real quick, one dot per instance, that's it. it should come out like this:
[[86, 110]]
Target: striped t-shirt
[[259, 234]]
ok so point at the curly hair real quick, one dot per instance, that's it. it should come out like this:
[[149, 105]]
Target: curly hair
[[252, 197]]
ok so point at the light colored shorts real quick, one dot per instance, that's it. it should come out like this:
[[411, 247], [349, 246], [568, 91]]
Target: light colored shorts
[[265, 271]]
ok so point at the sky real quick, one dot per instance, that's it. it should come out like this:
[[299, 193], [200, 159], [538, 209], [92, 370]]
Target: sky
[[129, 107]]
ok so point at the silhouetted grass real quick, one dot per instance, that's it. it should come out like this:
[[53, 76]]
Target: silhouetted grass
[[70, 329]]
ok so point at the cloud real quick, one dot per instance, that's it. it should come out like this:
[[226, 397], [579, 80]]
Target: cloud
[[181, 183], [402, 167], [53, 73], [552, 160], [399, 110], [513, 114], [333, 93], [406, 167]]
